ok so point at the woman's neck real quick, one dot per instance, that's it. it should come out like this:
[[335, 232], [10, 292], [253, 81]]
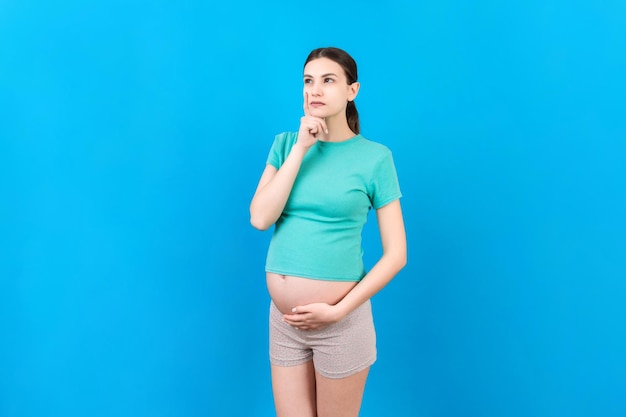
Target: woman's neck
[[338, 130]]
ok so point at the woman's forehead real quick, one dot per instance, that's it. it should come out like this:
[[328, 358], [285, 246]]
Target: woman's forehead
[[322, 66]]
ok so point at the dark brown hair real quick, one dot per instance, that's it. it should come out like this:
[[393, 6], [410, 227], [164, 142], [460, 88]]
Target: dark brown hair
[[348, 64]]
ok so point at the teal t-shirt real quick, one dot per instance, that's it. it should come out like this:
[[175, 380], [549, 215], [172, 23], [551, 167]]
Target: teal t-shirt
[[318, 235]]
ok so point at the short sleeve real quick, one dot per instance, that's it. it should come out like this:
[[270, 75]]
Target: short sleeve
[[280, 149], [384, 186]]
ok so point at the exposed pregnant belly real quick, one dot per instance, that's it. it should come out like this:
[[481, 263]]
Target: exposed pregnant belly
[[288, 291]]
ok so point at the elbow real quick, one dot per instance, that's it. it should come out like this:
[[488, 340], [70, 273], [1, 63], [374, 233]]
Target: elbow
[[395, 258], [259, 223], [257, 219], [400, 259]]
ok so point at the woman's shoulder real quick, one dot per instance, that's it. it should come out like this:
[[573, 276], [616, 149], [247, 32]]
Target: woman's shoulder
[[286, 137], [281, 146], [283, 142]]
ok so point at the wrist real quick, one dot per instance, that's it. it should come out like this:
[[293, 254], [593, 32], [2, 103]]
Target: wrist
[[340, 311], [299, 148]]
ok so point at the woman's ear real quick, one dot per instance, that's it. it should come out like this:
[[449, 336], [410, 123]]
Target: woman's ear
[[354, 90]]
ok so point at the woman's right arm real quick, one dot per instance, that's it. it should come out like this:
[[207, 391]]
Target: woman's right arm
[[274, 188], [275, 185]]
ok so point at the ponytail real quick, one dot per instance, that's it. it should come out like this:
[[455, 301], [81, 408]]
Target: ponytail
[[352, 115]]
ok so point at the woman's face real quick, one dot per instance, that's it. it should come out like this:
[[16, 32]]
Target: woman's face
[[326, 89]]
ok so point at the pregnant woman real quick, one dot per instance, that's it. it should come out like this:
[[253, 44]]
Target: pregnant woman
[[317, 189]]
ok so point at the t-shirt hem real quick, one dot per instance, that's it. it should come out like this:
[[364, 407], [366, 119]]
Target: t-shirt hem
[[311, 276]]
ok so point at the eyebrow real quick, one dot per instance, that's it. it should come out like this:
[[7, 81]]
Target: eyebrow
[[325, 75]]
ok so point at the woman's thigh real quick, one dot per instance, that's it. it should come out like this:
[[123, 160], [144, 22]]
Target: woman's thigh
[[340, 397], [294, 390]]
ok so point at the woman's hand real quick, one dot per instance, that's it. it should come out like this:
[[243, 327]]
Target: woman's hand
[[312, 316], [311, 127]]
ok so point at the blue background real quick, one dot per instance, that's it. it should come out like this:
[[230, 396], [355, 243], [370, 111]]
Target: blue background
[[132, 135]]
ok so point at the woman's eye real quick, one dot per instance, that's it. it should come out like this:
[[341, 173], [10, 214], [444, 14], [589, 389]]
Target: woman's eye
[[308, 81], [329, 80]]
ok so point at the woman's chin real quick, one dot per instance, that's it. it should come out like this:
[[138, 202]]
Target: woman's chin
[[322, 111], [319, 113]]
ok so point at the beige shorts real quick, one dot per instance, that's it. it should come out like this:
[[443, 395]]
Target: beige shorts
[[337, 350]]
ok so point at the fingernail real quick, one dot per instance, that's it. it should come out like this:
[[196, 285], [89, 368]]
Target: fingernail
[[326, 131], [293, 310]]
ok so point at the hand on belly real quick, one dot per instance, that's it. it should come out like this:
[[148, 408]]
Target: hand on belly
[[289, 292], [312, 316]]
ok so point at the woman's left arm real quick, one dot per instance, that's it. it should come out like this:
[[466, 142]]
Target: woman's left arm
[[393, 259]]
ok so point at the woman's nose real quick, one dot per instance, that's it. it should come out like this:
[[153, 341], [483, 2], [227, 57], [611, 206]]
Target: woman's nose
[[316, 90]]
